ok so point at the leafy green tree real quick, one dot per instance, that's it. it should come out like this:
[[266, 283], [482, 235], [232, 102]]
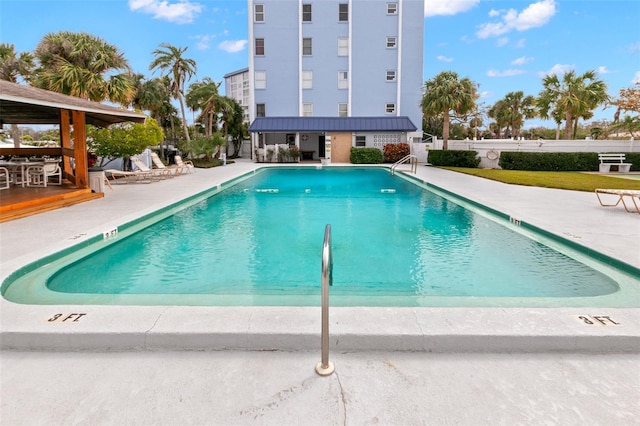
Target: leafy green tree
[[82, 65], [573, 97], [446, 95], [169, 59], [122, 140]]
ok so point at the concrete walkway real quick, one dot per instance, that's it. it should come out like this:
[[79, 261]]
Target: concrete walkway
[[496, 366]]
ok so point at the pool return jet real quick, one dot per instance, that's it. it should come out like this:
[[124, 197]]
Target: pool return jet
[[325, 367]]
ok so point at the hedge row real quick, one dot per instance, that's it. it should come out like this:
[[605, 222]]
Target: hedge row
[[454, 158], [531, 161], [366, 156], [559, 161]]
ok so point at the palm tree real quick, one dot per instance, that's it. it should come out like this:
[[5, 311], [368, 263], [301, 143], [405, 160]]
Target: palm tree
[[169, 59], [499, 112], [13, 67], [512, 110], [573, 97], [82, 65], [153, 95], [203, 95], [446, 94]]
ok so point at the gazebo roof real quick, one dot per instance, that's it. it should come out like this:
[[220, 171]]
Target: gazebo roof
[[20, 104]]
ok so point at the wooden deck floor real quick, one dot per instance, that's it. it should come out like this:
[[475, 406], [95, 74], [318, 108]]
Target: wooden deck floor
[[17, 202]]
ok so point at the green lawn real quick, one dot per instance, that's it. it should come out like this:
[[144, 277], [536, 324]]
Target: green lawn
[[562, 180]]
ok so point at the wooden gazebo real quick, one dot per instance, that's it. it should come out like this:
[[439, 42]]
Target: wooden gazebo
[[20, 104]]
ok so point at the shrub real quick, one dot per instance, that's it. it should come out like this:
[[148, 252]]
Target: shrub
[[549, 161], [454, 158], [395, 151], [634, 159], [366, 156]]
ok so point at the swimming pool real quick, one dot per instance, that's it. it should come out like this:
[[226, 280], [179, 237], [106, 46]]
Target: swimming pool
[[258, 240]]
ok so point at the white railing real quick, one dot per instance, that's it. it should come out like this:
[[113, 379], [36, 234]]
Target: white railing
[[410, 158], [325, 367]]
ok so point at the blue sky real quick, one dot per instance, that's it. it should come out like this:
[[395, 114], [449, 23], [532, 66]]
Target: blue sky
[[502, 45]]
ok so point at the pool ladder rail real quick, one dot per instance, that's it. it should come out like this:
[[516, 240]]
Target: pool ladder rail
[[325, 367], [412, 159]]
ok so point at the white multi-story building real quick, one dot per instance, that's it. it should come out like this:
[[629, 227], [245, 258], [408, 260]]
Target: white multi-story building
[[348, 69], [236, 86]]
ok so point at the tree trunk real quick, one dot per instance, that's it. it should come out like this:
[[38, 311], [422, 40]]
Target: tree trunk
[[445, 131], [568, 126], [184, 121]]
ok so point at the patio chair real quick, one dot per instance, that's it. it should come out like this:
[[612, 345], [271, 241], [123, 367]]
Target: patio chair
[[158, 173], [621, 194], [172, 170], [186, 165], [5, 180], [39, 175]]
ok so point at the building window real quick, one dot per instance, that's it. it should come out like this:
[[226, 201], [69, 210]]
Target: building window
[[391, 75], [261, 110], [343, 79], [261, 80], [306, 13], [343, 46], [307, 46], [307, 79], [307, 110], [361, 141], [343, 110], [391, 42], [259, 46], [390, 108], [392, 8], [258, 12], [343, 12]]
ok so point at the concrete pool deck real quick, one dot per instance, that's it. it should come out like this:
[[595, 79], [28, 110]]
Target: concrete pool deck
[[482, 349]]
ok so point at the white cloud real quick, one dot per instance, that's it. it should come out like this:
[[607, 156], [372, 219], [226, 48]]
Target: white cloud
[[447, 7], [533, 16], [232, 46], [636, 78], [634, 47], [502, 41], [182, 12], [485, 94], [520, 43], [204, 41], [522, 60], [558, 69], [505, 73], [444, 58], [603, 70]]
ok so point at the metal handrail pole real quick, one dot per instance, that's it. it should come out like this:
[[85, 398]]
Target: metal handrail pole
[[325, 367]]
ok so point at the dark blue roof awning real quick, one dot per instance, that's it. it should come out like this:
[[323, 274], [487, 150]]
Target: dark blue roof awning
[[331, 124]]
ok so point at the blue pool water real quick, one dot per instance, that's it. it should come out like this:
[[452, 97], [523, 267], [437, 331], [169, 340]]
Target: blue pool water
[[394, 243]]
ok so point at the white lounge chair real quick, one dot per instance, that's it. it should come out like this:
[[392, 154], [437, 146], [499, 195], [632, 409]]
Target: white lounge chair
[[172, 170], [621, 194], [158, 173], [120, 176], [187, 165]]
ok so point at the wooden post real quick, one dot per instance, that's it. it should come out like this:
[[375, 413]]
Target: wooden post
[[80, 148], [65, 142]]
